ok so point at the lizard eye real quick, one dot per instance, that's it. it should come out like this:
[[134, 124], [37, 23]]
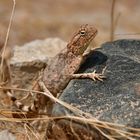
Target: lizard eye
[[82, 32]]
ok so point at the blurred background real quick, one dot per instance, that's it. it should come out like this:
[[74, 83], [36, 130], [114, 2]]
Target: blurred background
[[40, 19]]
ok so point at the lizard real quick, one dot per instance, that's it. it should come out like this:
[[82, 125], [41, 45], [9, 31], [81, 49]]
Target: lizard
[[63, 67]]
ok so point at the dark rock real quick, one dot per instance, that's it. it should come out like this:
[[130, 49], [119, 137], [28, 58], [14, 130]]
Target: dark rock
[[117, 98]]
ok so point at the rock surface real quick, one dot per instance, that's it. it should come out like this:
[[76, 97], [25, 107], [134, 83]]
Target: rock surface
[[117, 98], [30, 58], [37, 50]]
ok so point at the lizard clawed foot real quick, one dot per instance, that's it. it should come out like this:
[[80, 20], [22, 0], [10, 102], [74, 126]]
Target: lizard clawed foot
[[96, 76]]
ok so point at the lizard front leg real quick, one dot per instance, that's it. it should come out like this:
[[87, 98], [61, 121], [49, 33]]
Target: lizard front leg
[[93, 75]]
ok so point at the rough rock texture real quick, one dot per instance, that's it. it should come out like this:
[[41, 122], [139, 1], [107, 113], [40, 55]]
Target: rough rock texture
[[37, 50], [117, 98], [30, 58]]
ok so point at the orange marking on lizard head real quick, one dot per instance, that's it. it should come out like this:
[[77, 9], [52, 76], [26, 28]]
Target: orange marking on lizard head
[[81, 39]]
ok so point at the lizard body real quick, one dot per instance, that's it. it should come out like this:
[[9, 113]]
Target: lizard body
[[62, 68], [57, 73]]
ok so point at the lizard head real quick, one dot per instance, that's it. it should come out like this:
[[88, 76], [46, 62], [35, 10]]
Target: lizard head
[[81, 39]]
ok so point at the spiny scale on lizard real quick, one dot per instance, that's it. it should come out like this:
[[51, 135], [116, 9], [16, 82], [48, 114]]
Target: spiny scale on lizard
[[62, 68]]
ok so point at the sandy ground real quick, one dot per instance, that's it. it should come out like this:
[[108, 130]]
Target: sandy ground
[[59, 18]]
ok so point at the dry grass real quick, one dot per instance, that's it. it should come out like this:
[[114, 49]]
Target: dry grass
[[6, 53], [80, 116]]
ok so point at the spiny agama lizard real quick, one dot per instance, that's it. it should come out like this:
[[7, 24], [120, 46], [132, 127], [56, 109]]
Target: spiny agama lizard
[[62, 68]]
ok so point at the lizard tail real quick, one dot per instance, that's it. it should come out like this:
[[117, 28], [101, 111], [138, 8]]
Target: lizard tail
[[20, 105]]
